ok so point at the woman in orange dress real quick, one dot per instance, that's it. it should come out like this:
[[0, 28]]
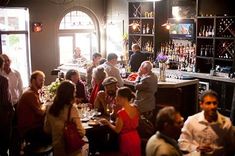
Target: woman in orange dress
[[126, 123]]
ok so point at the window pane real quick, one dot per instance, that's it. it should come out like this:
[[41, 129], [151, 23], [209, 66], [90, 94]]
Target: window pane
[[14, 46], [66, 49], [83, 40], [13, 19], [76, 20], [114, 38]]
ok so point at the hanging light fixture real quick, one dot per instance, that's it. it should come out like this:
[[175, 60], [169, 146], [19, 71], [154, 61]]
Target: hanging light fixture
[[167, 25]]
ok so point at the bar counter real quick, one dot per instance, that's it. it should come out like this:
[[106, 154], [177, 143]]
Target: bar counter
[[182, 94], [217, 77]]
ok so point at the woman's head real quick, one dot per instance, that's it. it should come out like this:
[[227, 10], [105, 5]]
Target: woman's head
[[99, 74], [65, 95], [124, 94]]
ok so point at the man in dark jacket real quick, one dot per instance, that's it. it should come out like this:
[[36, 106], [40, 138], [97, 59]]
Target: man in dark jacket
[[136, 58]]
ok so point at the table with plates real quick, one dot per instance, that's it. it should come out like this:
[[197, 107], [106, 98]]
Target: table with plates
[[101, 137]]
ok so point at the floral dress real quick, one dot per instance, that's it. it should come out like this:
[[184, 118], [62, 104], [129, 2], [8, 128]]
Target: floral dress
[[129, 139]]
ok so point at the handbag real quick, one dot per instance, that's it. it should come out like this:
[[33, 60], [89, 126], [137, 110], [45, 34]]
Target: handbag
[[72, 139]]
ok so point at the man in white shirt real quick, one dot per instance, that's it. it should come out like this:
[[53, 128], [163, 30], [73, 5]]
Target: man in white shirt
[[208, 131], [111, 70], [14, 80]]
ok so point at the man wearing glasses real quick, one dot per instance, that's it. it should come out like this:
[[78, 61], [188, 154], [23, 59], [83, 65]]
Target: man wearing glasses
[[207, 132]]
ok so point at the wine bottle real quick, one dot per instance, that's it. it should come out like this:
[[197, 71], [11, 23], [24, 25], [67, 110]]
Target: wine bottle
[[144, 29], [147, 29], [204, 30], [202, 50]]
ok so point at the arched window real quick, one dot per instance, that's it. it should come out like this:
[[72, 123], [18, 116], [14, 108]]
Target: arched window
[[78, 28]]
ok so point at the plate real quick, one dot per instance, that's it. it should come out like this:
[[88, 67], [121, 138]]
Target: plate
[[84, 119], [93, 123]]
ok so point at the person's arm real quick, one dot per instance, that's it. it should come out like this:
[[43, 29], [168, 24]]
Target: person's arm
[[76, 119], [5, 99], [98, 102], [118, 124], [143, 84], [186, 141], [47, 125], [35, 104], [118, 77], [20, 84]]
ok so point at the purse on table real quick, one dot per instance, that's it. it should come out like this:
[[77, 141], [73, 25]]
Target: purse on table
[[72, 138]]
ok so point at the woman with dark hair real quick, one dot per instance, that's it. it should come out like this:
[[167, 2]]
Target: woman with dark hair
[[57, 115], [126, 123]]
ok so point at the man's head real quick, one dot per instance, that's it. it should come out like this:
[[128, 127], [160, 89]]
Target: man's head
[[77, 52], [169, 122], [135, 47], [145, 68], [209, 104], [96, 58], [7, 63], [110, 86], [112, 58], [37, 79], [72, 75]]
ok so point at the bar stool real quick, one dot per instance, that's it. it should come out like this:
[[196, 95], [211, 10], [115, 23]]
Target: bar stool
[[36, 150]]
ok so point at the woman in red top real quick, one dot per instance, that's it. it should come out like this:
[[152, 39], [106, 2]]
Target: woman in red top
[[126, 123]]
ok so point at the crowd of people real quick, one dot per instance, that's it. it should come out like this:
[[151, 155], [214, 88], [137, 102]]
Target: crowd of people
[[207, 132]]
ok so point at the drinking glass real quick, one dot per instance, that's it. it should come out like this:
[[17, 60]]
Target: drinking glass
[[110, 111]]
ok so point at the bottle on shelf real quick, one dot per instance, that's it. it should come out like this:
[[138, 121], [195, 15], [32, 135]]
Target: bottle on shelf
[[207, 31], [213, 31], [200, 31], [202, 50], [147, 29], [204, 30], [144, 29]]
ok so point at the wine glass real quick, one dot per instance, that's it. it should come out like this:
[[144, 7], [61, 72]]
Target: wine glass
[[110, 111]]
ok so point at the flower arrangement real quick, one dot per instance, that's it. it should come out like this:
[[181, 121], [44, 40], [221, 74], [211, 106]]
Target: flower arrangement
[[52, 88], [161, 58]]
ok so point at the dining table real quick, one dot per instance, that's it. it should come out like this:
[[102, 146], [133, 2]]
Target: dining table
[[101, 138]]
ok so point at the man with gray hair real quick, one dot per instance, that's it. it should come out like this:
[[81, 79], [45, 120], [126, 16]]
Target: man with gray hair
[[169, 123], [146, 87]]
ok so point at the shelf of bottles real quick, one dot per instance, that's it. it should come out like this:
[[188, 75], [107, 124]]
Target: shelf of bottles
[[215, 41], [180, 56], [141, 25]]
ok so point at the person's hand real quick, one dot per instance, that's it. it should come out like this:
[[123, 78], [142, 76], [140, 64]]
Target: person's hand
[[104, 121], [204, 149]]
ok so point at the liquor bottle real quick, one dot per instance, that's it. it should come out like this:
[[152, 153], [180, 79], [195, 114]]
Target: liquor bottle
[[144, 29], [207, 31], [213, 31], [202, 50], [147, 29], [206, 50], [210, 31], [200, 31], [204, 30]]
